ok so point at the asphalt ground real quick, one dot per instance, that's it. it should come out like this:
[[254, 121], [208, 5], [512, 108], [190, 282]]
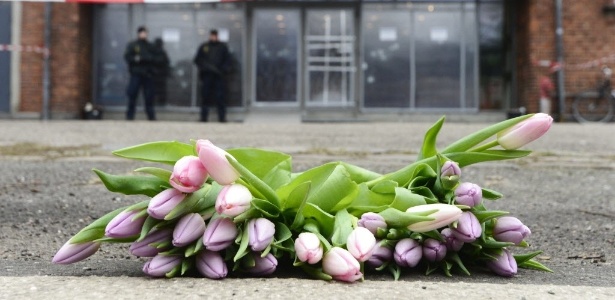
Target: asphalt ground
[[563, 192]]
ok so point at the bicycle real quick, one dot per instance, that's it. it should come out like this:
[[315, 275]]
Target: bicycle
[[596, 105]]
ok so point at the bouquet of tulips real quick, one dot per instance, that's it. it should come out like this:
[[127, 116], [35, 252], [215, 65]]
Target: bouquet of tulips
[[243, 210]]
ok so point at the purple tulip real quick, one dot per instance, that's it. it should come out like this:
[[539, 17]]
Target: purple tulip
[[188, 174], [450, 168], [160, 265], [525, 132], [163, 203], [188, 229], [468, 228], [372, 221], [72, 253], [144, 247], [124, 225], [360, 243], [408, 253], [434, 250], [452, 242], [445, 214], [381, 255], [468, 194], [510, 229], [308, 248], [504, 265], [263, 265], [260, 232], [219, 234], [233, 200], [341, 265], [214, 160], [211, 265]]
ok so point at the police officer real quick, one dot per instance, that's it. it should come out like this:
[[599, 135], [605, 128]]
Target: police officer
[[212, 59], [140, 55]]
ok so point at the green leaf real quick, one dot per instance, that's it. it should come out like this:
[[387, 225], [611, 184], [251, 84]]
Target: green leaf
[[315, 272], [491, 194], [190, 204], [397, 218], [297, 198], [132, 185], [385, 187], [532, 264], [96, 229], [469, 158], [454, 257], [194, 248], [166, 152], [493, 244], [484, 216], [187, 264], [163, 174], [243, 244], [358, 174], [429, 142], [269, 210], [395, 271], [147, 227], [521, 258], [405, 199], [478, 137], [342, 227], [255, 182], [282, 233], [273, 168], [325, 220], [117, 240]]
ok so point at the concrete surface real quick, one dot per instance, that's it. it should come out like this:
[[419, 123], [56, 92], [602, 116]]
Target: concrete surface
[[563, 192]]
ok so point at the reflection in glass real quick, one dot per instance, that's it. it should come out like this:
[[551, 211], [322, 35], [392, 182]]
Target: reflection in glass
[[276, 47], [386, 58], [491, 43], [330, 56], [113, 34], [437, 55], [470, 47]]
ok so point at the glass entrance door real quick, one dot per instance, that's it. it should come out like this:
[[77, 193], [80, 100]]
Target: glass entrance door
[[330, 58]]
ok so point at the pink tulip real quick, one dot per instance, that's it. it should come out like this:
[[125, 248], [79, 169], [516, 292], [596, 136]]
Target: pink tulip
[[382, 254], [361, 243], [146, 247], [160, 265], [124, 225], [72, 253], [372, 221], [468, 194], [188, 174], [468, 228], [163, 203], [452, 243], [211, 265], [341, 265], [504, 264], [260, 233], [445, 214], [214, 160], [308, 248], [408, 253], [219, 234], [188, 229], [525, 132], [510, 229], [434, 250], [263, 265], [233, 200]]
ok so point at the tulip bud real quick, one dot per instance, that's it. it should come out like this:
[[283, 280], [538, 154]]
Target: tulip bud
[[468, 228], [381, 255], [452, 242], [160, 265], [188, 174], [123, 225], [468, 194], [211, 265], [525, 131], [434, 250], [372, 221], [504, 265], [163, 203], [341, 265], [219, 234], [450, 168], [360, 243], [308, 248], [72, 253], [260, 232], [510, 229], [188, 229], [445, 214], [408, 253], [144, 247], [233, 200], [214, 160], [263, 265]]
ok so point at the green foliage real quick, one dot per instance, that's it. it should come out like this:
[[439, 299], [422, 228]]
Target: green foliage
[[162, 152]]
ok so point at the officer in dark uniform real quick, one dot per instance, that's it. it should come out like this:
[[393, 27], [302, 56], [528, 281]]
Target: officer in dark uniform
[[213, 59], [140, 55]]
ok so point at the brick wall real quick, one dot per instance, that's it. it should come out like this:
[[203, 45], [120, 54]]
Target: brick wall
[[588, 35], [71, 54]]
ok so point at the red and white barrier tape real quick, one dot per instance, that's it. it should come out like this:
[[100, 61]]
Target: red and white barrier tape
[[25, 48]]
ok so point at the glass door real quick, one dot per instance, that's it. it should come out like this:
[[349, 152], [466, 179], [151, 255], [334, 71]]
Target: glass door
[[330, 57]]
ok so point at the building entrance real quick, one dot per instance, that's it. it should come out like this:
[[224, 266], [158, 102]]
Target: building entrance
[[5, 57]]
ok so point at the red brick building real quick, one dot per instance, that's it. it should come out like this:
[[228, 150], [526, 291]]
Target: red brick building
[[486, 79]]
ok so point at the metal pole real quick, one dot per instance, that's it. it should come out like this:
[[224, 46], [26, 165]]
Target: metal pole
[[559, 32], [46, 73]]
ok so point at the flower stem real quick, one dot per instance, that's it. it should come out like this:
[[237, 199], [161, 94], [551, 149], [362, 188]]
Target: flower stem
[[486, 146]]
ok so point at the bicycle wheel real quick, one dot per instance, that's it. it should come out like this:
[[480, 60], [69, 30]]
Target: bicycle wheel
[[590, 107]]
